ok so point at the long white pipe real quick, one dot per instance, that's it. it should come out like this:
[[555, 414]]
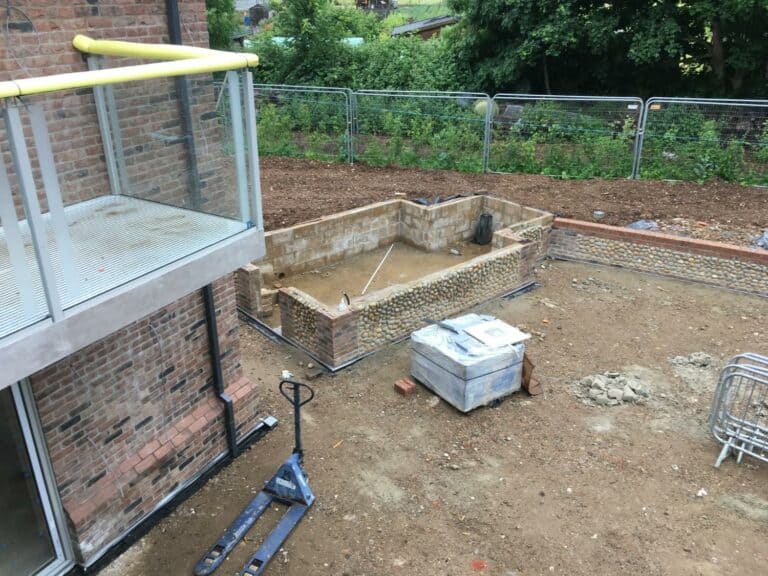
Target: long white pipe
[[377, 270]]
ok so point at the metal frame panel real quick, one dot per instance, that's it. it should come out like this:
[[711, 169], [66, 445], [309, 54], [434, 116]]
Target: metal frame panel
[[10, 224], [423, 94], [44, 480], [107, 140], [72, 283], [238, 138], [348, 105], [656, 100], [254, 173], [23, 168], [629, 100]]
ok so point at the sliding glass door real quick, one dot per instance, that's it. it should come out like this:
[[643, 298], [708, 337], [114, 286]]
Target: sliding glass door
[[29, 539]]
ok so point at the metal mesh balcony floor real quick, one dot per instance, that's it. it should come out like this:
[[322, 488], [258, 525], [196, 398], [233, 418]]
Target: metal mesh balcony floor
[[115, 239]]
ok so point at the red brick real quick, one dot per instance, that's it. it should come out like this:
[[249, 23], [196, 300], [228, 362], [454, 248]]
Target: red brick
[[405, 386]]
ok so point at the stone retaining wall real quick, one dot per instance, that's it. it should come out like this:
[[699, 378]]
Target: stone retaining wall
[[335, 338], [701, 261], [399, 310]]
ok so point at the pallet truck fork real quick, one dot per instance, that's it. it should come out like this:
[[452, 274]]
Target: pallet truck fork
[[288, 487]]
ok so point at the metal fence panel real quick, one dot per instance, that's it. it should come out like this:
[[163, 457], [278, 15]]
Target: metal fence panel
[[306, 121], [432, 130], [698, 139], [564, 136]]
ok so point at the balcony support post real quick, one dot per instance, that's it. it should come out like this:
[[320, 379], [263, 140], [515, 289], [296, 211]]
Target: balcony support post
[[58, 219], [238, 141], [23, 167], [254, 174], [19, 266]]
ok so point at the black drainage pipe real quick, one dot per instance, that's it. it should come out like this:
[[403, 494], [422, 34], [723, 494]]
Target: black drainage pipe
[[218, 375], [185, 107]]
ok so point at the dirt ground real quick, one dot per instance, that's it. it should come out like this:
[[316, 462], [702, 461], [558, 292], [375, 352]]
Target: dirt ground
[[537, 486], [299, 190]]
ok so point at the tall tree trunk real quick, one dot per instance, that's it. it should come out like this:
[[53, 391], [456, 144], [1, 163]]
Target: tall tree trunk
[[546, 74], [717, 56]]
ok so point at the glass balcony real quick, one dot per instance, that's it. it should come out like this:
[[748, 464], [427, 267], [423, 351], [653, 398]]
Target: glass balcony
[[102, 186]]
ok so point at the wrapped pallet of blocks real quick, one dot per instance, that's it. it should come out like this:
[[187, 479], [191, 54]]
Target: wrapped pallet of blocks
[[469, 361]]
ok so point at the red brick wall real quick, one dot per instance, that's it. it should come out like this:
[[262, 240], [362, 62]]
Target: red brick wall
[[131, 417]]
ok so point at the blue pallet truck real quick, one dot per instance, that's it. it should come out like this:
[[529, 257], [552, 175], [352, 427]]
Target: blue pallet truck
[[288, 487]]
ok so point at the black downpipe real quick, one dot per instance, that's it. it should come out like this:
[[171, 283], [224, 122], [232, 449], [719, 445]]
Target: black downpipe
[[218, 376], [185, 107]]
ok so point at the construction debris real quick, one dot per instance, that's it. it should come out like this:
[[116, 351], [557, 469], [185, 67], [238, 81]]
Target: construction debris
[[611, 389], [697, 359]]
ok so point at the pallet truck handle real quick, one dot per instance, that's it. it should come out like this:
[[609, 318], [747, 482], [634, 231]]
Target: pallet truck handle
[[296, 387]]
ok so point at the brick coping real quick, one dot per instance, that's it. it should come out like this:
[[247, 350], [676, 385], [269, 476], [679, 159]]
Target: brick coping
[[678, 243]]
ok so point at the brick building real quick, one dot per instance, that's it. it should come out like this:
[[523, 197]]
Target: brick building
[[124, 210]]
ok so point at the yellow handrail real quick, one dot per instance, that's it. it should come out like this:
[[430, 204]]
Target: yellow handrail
[[185, 60]]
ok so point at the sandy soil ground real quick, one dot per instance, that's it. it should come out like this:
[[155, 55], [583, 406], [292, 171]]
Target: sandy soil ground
[[298, 190], [537, 486]]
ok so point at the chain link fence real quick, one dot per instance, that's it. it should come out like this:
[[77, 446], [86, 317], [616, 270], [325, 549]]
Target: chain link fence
[[564, 136], [696, 140], [433, 130], [558, 136]]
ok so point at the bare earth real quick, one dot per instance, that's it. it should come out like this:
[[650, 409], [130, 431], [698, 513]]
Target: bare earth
[[299, 190], [537, 486]]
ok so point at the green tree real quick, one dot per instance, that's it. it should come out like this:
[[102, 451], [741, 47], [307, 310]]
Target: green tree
[[672, 46], [315, 37], [222, 22]]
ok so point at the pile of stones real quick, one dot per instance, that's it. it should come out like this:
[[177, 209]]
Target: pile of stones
[[611, 389]]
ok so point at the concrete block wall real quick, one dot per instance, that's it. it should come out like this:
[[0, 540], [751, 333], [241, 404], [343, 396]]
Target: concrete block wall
[[332, 238], [711, 263], [435, 227], [130, 418]]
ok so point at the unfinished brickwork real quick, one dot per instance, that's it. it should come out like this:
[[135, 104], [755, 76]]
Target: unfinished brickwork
[[334, 238], [331, 238], [132, 417], [249, 284], [400, 310], [335, 337], [701, 261], [435, 227]]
